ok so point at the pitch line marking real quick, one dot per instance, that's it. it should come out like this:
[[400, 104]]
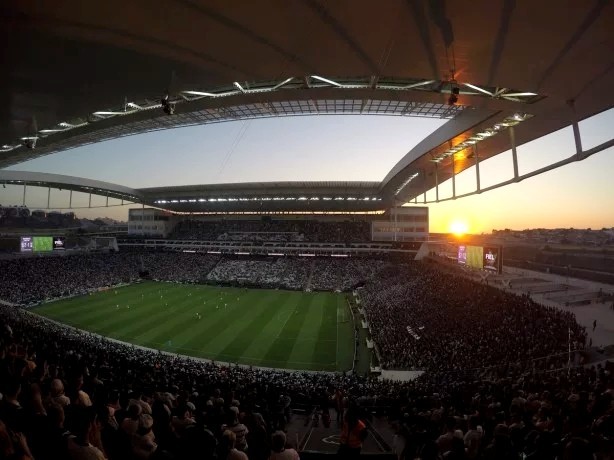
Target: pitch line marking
[[285, 322]]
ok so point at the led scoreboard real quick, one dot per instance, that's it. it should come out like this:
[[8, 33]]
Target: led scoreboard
[[58, 243], [462, 255], [26, 244], [481, 257], [41, 243], [492, 259]]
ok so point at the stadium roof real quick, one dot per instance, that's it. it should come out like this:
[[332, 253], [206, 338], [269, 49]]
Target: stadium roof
[[244, 197], [269, 196], [79, 73]]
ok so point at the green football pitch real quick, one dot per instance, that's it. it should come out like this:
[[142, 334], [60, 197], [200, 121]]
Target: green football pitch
[[259, 327]]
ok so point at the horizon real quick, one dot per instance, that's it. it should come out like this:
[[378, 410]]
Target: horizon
[[449, 232]]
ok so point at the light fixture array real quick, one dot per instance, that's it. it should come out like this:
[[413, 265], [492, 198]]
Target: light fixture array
[[405, 182], [311, 81], [267, 198], [484, 134]]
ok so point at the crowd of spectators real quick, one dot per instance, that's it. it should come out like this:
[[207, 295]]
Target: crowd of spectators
[[341, 273], [488, 393], [73, 395], [178, 266], [34, 279], [273, 230], [261, 237], [422, 318], [277, 272], [297, 273]]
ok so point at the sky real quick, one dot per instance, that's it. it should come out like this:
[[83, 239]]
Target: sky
[[349, 147]]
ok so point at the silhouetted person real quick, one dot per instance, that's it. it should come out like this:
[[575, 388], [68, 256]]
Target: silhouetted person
[[353, 433]]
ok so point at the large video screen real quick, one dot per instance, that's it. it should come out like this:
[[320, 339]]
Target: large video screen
[[462, 255], [58, 243], [42, 244], [487, 258], [475, 257], [492, 259], [26, 244]]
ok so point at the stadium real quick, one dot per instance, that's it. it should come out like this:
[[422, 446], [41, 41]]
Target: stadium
[[288, 319]]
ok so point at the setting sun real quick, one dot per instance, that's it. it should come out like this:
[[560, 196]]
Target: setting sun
[[459, 227]]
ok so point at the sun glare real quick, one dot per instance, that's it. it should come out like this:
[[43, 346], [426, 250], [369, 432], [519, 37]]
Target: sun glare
[[459, 227]]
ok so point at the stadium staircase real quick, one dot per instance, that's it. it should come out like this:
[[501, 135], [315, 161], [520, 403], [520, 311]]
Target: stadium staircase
[[311, 270], [363, 356], [205, 276]]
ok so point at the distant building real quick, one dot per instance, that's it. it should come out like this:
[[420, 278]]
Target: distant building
[[402, 224], [149, 222], [39, 214]]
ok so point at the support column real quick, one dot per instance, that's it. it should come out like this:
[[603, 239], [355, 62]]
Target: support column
[[453, 178], [576, 131], [514, 154], [577, 138], [24, 193], [48, 196], [70, 200], [89, 205], [107, 200], [477, 167], [396, 220], [436, 183]]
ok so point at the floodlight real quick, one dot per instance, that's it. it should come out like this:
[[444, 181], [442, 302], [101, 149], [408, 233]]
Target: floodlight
[[453, 99], [167, 106], [29, 143]]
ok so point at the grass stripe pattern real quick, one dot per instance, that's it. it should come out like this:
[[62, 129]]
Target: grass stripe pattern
[[259, 327]]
